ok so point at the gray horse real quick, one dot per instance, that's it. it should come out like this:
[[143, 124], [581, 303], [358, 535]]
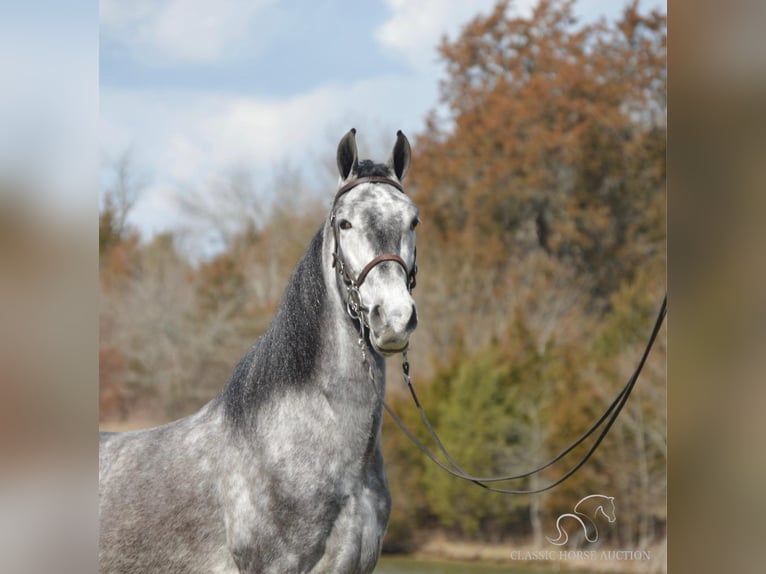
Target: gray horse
[[283, 471]]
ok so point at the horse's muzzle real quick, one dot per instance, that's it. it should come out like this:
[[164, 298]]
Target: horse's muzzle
[[391, 326]]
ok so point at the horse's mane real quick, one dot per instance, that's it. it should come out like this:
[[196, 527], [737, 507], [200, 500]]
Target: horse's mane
[[285, 355]]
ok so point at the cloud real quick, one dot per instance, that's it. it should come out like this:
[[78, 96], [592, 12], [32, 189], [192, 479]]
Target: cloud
[[181, 31], [183, 139], [415, 27]]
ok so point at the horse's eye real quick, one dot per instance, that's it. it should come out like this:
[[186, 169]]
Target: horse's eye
[[344, 224], [414, 223]]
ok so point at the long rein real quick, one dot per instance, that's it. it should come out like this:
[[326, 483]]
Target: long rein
[[358, 313]]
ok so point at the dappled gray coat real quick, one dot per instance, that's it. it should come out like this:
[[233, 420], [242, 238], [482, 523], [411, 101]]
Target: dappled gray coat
[[283, 471]]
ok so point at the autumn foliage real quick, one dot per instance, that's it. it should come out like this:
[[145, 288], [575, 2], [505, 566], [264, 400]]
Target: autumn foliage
[[540, 177], [553, 139]]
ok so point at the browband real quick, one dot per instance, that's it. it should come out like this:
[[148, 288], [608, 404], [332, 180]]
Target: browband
[[370, 179]]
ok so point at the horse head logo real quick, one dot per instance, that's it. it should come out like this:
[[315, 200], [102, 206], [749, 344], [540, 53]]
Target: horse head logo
[[584, 513]]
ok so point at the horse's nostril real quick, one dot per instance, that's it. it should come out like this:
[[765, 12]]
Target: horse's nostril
[[375, 312], [413, 322]]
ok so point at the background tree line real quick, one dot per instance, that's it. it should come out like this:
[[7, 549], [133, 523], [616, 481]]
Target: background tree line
[[540, 176]]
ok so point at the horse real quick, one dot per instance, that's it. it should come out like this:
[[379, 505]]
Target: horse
[[597, 504], [283, 472]]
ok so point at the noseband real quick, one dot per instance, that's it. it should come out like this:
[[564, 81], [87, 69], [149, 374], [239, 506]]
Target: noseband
[[354, 304]]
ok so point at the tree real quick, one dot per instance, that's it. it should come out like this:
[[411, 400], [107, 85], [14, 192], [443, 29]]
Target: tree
[[542, 184], [118, 198], [491, 410], [554, 140], [118, 246]]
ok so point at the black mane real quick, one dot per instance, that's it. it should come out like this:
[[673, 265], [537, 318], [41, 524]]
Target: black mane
[[285, 355]]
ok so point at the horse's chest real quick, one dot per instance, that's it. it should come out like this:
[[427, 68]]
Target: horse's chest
[[286, 519], [353, 545]]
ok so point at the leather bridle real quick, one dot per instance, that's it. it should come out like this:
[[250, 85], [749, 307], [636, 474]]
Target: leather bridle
[[369, 179], [357, 312], [354, 306]]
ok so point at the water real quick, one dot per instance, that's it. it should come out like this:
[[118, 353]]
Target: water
[[396, 565]]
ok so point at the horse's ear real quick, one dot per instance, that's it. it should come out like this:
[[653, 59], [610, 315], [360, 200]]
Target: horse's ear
[[400, 156], [347, 155]]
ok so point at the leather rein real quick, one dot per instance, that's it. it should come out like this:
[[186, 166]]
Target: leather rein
[[357, 312], [607, 419]]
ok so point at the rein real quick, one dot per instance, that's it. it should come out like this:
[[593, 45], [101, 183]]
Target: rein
[[357, 312], [610, 416]]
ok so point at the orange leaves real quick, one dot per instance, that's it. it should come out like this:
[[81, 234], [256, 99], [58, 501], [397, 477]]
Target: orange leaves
[[118, 260], [551, 123], [219, 280]]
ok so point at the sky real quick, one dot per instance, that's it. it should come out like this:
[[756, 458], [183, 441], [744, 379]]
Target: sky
[[193, 90]]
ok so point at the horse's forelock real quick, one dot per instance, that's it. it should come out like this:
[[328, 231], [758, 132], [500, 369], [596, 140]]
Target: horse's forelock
[[368, 168]]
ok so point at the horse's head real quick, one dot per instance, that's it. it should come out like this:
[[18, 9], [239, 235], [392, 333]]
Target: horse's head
[[373, 225], [592, 504], [608, 509]]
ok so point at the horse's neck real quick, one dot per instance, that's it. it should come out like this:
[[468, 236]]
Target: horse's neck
[[311, 345]]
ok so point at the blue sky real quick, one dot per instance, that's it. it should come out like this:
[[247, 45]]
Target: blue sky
[[195, 88]]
